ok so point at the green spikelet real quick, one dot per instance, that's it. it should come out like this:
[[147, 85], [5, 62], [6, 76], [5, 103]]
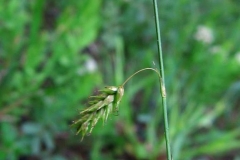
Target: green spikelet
[[100, 107]]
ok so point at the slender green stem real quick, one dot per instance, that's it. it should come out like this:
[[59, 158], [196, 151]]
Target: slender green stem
[[141, 71], [164, 100]]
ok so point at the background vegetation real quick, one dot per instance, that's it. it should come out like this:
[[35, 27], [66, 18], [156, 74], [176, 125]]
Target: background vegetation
[[54, 54]]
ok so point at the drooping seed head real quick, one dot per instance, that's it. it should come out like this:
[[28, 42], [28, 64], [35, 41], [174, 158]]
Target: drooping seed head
[[100, 107]]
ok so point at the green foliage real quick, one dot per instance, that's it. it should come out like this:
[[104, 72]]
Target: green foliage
[[43, 72], [45, 77]]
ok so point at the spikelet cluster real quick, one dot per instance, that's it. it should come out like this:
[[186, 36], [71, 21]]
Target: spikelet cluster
[[101, 105]]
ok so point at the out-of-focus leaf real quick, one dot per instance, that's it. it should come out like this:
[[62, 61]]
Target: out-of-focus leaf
[[31, 128]]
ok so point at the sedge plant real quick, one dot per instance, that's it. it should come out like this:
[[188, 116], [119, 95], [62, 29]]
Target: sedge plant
[[108, 99], [106, 102]]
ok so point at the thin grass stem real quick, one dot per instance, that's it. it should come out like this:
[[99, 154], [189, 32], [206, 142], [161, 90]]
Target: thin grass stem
[[164, 98], [138, 72]]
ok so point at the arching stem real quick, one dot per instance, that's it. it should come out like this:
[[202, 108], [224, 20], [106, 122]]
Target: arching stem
[[163, 91], [138, 72]]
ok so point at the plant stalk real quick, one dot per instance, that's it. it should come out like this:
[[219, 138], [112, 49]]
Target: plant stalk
[[140, 71], [162, 82]]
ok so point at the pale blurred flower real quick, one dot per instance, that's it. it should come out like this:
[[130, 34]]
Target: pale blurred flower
[[204, 34], [89, 66], [238, 56], [215, 49]]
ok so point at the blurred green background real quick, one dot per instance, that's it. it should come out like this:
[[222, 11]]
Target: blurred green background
[[56, 53]]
